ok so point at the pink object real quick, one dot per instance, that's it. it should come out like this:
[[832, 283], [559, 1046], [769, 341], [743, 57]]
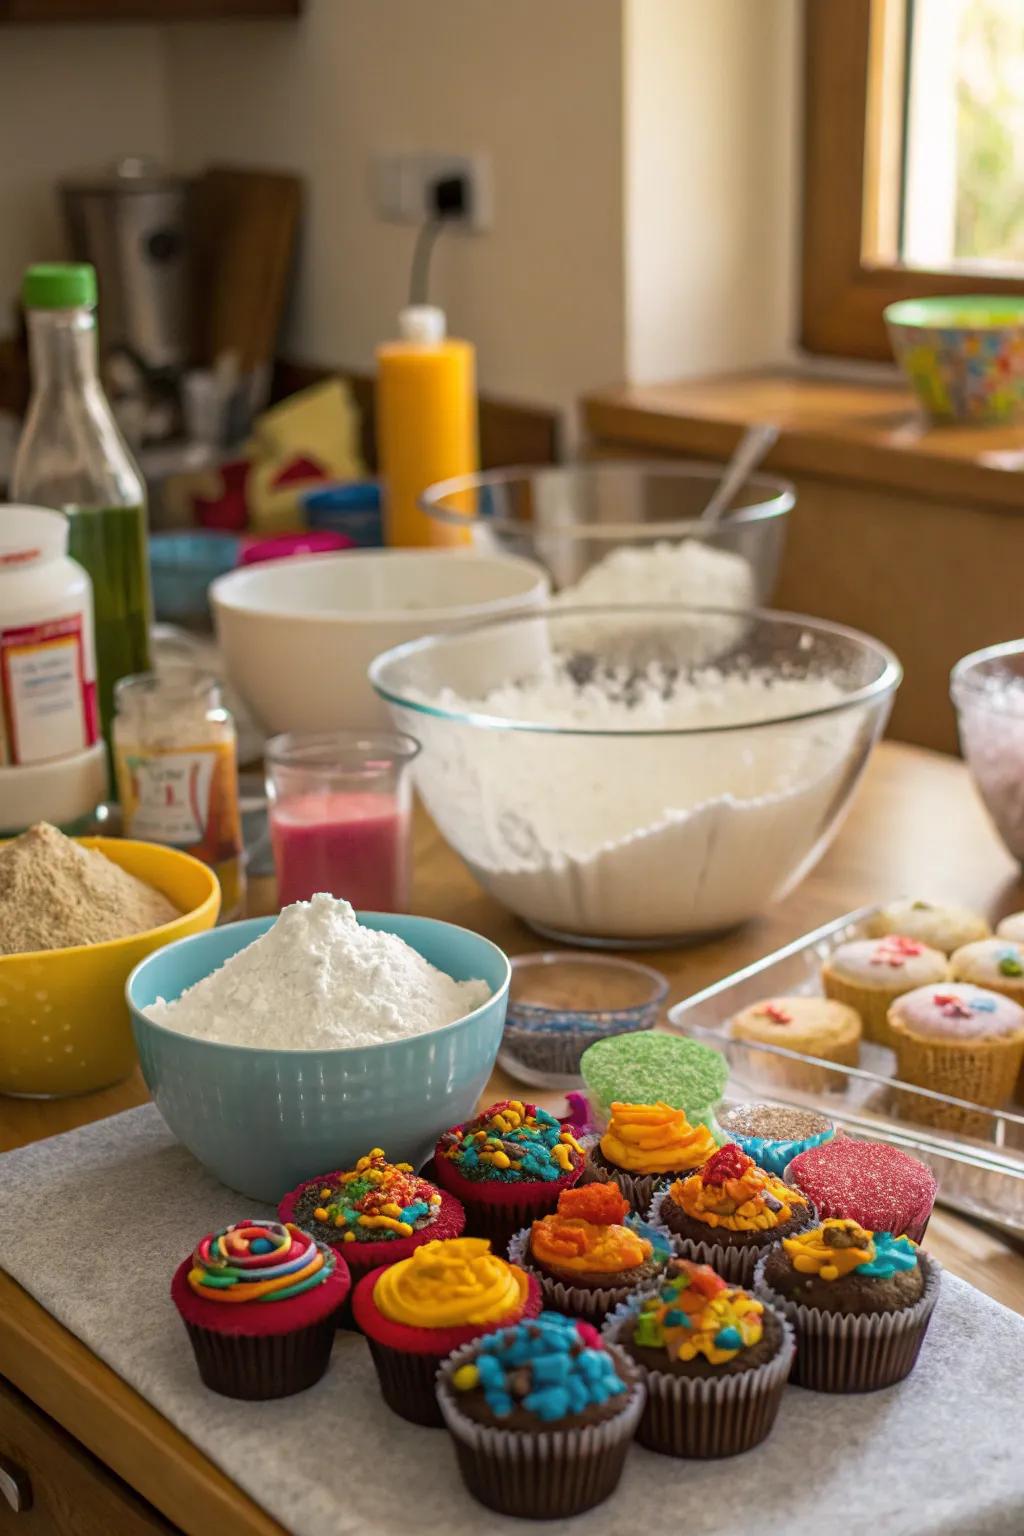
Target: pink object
[[283, 546], [350, 843]]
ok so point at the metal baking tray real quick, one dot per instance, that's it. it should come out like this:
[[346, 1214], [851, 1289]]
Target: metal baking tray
[[980, 1174]]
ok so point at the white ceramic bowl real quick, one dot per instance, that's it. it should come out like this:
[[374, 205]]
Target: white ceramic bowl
[[298, 635]]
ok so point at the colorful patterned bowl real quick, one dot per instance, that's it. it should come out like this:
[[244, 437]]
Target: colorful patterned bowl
[[964, 357]]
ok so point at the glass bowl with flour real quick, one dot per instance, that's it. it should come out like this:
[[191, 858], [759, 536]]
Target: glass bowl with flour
[[640, 775]]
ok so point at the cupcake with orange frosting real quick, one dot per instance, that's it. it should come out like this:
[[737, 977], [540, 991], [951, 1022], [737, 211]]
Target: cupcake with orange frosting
[[590, 1253], [260, 1301], [644, 1146], [729, 1213], [415, 1312]]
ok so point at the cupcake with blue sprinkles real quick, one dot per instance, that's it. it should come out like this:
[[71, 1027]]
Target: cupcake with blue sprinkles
[[773, 1134], [507, 1167], [542, 1416]]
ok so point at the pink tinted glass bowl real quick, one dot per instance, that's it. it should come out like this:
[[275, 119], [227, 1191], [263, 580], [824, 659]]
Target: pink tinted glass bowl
[[987, 688]]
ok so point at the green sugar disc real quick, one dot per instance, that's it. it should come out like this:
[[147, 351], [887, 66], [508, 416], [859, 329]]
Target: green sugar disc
[[650, 1066]]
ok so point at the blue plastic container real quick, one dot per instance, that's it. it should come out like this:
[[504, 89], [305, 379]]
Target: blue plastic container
[[352, 507], [182, 566], [262, 1120]]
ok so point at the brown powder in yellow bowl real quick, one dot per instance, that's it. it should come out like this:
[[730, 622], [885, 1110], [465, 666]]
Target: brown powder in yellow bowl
[[54, 894]]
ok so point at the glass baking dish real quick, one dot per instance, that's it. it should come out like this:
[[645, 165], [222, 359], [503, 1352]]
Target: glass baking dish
[[980, 1174]]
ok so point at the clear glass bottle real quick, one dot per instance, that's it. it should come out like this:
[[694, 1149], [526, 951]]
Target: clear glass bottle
[[176, 760], [71, 456]]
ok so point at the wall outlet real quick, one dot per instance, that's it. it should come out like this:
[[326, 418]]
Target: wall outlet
[[401, 183]]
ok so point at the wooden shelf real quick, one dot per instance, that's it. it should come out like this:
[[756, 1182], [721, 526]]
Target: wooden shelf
[[868, 434], [40, 12]]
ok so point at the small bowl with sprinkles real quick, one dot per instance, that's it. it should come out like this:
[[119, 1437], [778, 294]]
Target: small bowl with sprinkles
[[375, 1213], [560, 1003], [508, 1167]]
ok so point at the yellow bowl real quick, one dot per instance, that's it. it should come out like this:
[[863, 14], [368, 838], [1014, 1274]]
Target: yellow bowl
[[64, 1022]]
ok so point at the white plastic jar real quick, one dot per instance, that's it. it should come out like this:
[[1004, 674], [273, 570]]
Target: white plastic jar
[[47, 653]]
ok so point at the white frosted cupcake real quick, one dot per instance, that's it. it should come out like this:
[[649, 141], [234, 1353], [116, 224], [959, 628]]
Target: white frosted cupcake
[[960, 1040], [1011, 927], [870, 974], [934, 923], [997, 964]]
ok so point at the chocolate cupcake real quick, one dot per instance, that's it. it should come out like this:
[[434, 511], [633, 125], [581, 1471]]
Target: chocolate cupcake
[[507, 1167], [375, 1213], [415, 1312], [714, 1359], [773, 1134], [729, 1213], [542, 1416], [590, 1253], [260, 1302], [859, 1302], [644, 1147]]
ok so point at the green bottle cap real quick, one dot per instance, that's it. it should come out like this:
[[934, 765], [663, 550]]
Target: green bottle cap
[[58, 285]]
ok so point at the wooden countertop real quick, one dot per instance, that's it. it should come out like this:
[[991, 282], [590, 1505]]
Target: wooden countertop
[[915, 827], [870, 434]]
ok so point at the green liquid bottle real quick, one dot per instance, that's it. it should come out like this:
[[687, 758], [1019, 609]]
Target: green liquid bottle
[[72, 456]]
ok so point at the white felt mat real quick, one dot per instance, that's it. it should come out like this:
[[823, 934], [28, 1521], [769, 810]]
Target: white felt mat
[[93, 1224]]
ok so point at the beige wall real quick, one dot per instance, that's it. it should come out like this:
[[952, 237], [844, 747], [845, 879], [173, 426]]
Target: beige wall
[[70, 98], [535, 85], [710, 141]]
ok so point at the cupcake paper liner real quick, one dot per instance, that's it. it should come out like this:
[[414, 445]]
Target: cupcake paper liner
[[407, 1383], [872, 1003], [735, 1264], [260, 1366], [592, 1303], [701, 1419], [550, 1475], [840, 1353], [984, 1071]]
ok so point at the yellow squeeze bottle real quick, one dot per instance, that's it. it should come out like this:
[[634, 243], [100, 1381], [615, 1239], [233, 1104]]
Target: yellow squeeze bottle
[[426, 423]]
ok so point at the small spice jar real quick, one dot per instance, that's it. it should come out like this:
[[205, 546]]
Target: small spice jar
[[175, 755]]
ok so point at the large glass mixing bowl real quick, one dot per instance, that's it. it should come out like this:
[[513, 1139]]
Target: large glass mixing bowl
[[987, 688], [636, 776], [576, 517]]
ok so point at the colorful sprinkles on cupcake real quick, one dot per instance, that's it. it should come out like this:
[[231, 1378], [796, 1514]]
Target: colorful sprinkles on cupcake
[[551, 1367], [374, 1201], [697, 1313], [895, 950], [842, 1247], [731, 1191], [258, 1261], [512, 1141]]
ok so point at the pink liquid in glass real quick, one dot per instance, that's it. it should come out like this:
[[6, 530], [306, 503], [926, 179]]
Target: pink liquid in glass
[[350, 843]]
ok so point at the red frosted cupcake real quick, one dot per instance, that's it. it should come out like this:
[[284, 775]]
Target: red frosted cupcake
[[415, 1312], [879, 1186], [260, 1303], [508, 1167], [375, 1213]]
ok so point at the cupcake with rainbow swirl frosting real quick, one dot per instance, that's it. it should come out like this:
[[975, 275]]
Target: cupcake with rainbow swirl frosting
[[542, 1416], [713, 1357], [644, 1147], [859, 1302], [729, 1212], [507, 1166], [415, 1312], [260, 1301], [375, 1213], [590, 1253]]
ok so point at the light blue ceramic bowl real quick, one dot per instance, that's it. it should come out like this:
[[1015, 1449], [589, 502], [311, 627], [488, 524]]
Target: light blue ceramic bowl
[[264, 1120]]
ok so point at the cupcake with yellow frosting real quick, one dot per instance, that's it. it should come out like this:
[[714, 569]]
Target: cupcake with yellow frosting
[[729, 1213], [590, 1253], [714, 1360], [644, 1146], [507, 1166], [859, 1301], [415, 1312]]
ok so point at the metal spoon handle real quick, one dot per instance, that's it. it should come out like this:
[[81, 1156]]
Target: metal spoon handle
[[750, 450]]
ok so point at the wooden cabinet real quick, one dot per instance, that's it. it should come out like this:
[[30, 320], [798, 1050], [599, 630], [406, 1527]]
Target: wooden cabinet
[[39, 11], [50, 1486]]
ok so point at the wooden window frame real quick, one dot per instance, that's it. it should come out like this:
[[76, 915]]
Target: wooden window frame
[[843, 292]]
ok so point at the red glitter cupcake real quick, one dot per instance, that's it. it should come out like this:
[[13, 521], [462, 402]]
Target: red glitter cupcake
[[260, 1302], [878, 1186], [375, 1213], [415, 1312], [508, 1167]]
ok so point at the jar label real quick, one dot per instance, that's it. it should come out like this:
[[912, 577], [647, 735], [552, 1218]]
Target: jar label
[[48, 699]]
